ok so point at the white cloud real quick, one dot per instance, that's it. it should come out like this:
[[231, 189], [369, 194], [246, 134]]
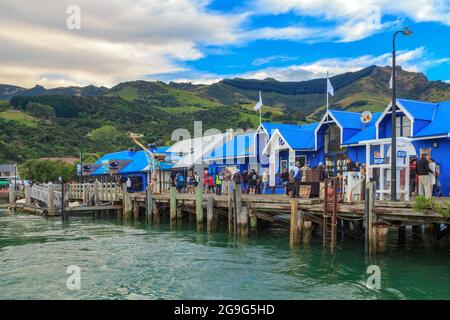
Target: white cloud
[[417, 60], [266, 60], [357, 19], [119, 39]]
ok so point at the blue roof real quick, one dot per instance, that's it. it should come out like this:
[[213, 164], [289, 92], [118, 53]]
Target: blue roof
[[299, 137], [348, 120], [440, 124], [240, 146], [367, 133], [137, 164], [419, 109], [271, 127]]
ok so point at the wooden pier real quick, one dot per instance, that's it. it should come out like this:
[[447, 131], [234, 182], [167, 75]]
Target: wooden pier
[[243, 214]]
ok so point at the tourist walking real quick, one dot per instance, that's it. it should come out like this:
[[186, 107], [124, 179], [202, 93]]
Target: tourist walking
[[180, 182], [265, 181], [297, 178], [253, 180], [321, 172], [211, 183], [245, 181], [423, 170], [128, 184], [219, 179], [190, 182], [432, 174], [226, 181]]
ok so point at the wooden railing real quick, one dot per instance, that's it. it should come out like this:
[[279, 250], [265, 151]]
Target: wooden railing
[[98, 191]]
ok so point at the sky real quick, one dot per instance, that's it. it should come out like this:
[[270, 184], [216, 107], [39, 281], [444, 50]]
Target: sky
[[105, 42]]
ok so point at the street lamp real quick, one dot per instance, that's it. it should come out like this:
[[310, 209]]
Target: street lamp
[[405, 32]]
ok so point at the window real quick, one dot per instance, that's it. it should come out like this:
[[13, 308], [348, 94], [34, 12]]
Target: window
[[332, 139], [403, 126], [283, 165]]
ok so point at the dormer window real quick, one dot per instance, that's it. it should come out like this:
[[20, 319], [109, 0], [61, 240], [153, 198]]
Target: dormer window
[[403, 126]]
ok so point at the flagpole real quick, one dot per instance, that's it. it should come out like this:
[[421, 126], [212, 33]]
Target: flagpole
[[327, 91], [260, 109]]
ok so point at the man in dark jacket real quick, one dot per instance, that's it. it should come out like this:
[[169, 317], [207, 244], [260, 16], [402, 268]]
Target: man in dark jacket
[[422, 170]]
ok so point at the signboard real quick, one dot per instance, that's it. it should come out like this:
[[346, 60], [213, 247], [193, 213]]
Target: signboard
[[378, 160], [305, 192], [116, 165], [89, 168], [402, 154]]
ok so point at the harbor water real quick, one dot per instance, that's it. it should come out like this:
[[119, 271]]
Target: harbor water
[[131, 260]]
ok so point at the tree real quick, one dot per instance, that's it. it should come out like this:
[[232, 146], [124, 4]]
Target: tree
[[40, 110], [105, 136], [44, 171]]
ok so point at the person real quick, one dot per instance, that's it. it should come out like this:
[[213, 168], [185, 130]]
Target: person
[[351, 166], [357, 166], [291, 186], [226, 181], [432, 174], [423, 170], [196, 179], [190, 182], [265, 181], [437, 192], [206, 185], [253, 177], [285, 179], [304, 170], [297, 178], [412, 177], [219, 179], [180, 182], [128, 184], [245, 181], [321, 172], [211, 183]]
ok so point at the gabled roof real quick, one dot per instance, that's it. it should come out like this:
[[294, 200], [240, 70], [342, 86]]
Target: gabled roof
[[348, 120], [367, 133], [419, 109], [240, 146], [440, 122], [299, 137]]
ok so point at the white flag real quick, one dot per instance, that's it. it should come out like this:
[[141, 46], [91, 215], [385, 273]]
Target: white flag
[[390, 82], [330, 88], [259, 104]]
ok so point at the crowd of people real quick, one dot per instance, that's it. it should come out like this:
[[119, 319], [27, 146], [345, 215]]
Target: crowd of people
[[424, 177]]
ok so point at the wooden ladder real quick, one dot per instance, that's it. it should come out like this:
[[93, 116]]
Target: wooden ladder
[[330, 208]]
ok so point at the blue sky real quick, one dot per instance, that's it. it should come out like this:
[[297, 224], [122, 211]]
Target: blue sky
[[203, 41]]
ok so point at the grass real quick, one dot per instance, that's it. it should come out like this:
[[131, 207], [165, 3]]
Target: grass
[[274, 110], [20, 117]]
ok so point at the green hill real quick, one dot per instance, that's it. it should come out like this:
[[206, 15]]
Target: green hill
[[41, 122]]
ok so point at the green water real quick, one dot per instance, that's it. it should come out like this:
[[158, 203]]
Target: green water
[[134, 261]]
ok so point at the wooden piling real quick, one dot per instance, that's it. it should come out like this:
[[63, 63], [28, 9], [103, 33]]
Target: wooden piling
[[148, 205], [381, 238], [230, 212], [126, 203], [51, 199], [401, 236], [210, 225], [12, 196], [135, 210], [307, 231], [244, 222], [86, 194], [173, 204], [199, 208], [294, 235], [370, 233], [27, 195], [430, 235]]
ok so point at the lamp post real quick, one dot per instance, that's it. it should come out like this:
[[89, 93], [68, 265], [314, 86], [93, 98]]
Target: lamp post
[[405, 32]]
